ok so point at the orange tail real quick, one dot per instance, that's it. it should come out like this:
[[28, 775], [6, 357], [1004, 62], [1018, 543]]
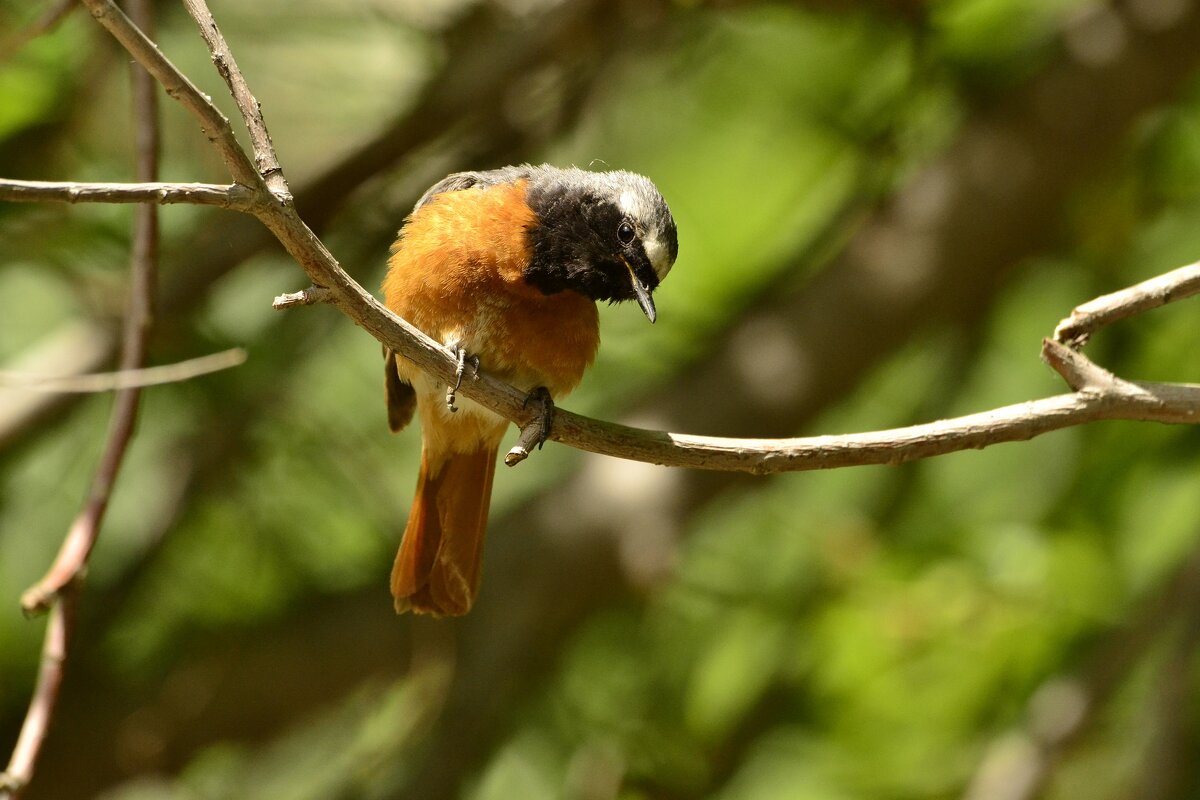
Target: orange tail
[[438, 566]]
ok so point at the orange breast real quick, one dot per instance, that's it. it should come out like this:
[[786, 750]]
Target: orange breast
[[456, 272]]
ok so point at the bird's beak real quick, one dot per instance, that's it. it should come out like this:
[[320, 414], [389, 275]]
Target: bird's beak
[[643, 295]]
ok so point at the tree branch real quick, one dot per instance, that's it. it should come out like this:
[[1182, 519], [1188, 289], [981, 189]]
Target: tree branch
[[1095, 399], [125, 379], [234, 197], [260, 139], [77, 547], [59, 629], [214, 124], [59, 588], [313, 295], [1157, 291], [1178, 403]]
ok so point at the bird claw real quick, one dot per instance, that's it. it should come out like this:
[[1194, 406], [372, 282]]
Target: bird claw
[[536, 430], [463, 359]]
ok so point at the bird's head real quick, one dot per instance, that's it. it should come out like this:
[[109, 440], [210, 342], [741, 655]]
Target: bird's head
[[607, 235]]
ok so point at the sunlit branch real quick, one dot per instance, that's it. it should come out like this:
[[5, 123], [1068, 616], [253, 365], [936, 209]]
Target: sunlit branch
[[231, 196], [214, 124], [59, 628], [313, 295], [58, 590], [1113, 399], [125, 379], [1152, 293], [260, 139]]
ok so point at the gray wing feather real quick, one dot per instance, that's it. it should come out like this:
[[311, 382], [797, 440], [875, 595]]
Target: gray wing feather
[[465, 180]]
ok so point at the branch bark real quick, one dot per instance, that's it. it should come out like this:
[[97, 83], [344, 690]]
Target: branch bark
[[214, 124], [1115, 400], [124, 379], [1157, 291], [58, 590], [540, 633], [234, 197], [59, 630], [260, 139]]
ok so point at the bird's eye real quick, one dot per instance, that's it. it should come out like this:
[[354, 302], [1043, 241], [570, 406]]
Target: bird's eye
[[625, 232]]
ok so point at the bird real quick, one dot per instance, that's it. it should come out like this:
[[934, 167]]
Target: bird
[[504, 267]]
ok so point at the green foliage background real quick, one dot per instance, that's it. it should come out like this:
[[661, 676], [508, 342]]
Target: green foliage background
[[865, 633]]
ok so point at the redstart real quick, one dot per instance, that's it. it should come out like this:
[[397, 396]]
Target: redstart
[[504, 267]]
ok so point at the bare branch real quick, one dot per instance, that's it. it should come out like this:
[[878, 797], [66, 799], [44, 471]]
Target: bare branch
[[311, 296], [1150, 402], [59, 589], [125, 379], [81, 538], [1157, 291], [59, 629], [1160, 402], [260, 139], [1076, 369], [234, 197], [215, 124]]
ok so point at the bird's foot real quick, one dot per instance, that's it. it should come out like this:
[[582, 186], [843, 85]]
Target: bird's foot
[[536, 430], [463, 359]]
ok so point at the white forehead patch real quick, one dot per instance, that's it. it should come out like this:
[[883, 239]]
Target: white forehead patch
[[630, 204], [656, 251], [633, 205]]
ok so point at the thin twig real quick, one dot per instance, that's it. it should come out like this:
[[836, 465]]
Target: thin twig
[[260, 139], [1125, 400], [215, 124], [1019, 422], [59, 630], [1157, 291], [58, 589], [234, 197], [313, 295], [77, 547], [125, 379]]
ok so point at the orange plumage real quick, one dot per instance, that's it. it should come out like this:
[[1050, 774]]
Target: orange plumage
[[465, 272], [456, 273]]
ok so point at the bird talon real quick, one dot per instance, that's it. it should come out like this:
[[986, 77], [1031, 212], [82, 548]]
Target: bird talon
[[541, 396], [460, 368], [536, 430]]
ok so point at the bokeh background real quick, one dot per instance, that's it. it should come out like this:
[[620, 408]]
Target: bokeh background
[[883, 206]]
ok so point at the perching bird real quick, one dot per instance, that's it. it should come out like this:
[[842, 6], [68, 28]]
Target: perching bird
[[504, 268]]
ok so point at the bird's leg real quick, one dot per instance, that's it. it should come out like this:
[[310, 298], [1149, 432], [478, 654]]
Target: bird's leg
[[536, 430], [460, 368]]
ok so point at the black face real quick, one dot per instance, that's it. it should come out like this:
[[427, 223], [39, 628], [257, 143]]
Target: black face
[[585, 242]]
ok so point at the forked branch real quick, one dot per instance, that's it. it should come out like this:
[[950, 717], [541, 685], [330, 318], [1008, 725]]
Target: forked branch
[[1093, 398], [231, 196], [58, 590], [1157, 291], [259, 189]]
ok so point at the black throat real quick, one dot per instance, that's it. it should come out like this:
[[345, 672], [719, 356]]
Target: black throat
[[572, 243]]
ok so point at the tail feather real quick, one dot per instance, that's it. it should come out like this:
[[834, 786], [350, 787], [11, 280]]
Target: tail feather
[[437, 569], [401, 398]]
